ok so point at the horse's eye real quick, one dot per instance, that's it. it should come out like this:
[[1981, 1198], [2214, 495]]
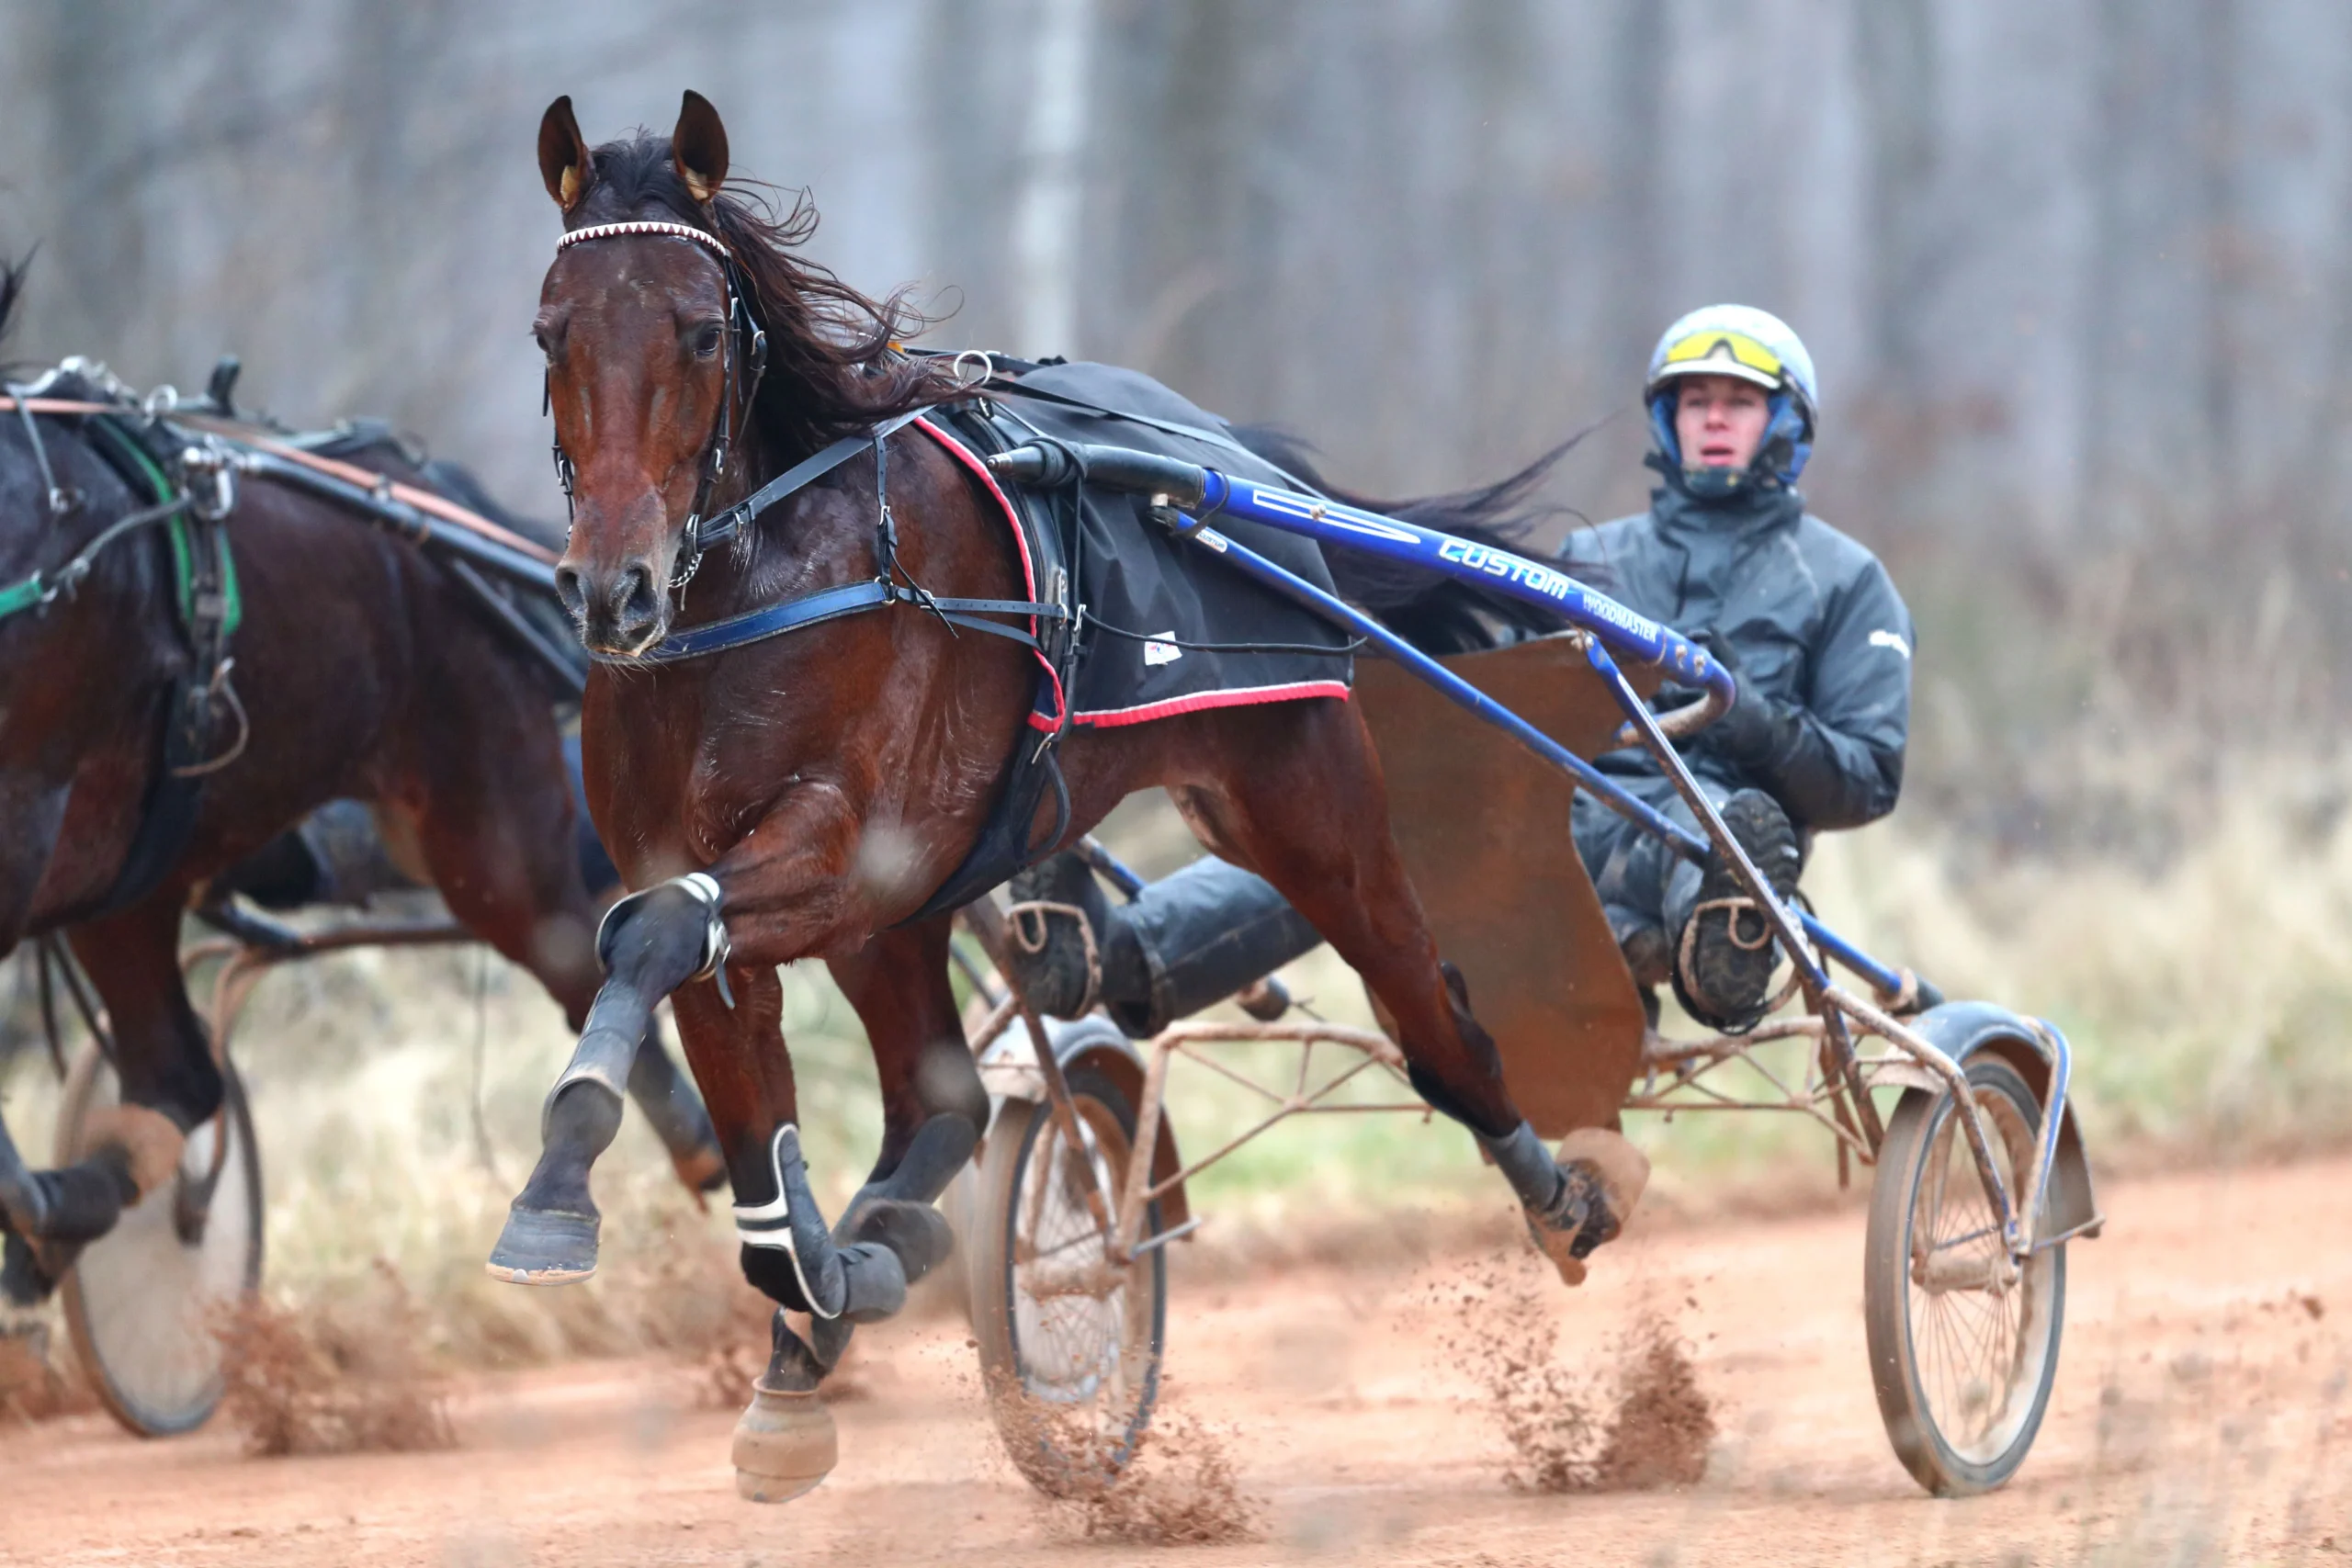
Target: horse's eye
[[551, 346], [706, 339]]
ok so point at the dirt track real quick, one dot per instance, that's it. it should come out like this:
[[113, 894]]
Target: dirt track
[[2201, 1415]]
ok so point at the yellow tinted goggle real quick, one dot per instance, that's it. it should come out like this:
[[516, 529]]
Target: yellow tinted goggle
[[1740, 346]]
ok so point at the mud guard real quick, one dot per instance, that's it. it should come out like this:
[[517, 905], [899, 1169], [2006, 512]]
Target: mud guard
[[1962, 1029]]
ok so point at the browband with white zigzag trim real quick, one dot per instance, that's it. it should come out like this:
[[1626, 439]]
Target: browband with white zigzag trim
[[644, 226]]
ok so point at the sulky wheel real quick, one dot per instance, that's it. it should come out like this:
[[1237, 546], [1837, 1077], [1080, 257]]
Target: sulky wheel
[[1069, 1346], [143, 1301], [1963, 1345]]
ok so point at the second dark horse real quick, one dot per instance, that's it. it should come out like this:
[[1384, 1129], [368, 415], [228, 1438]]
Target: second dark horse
[[359, 671]]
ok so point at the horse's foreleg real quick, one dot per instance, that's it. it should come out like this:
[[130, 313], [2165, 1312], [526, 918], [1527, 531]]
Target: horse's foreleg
[[785, 1441], [497, 837], [1310, 810], [934, 1107], [654, 943], [170, 1086]]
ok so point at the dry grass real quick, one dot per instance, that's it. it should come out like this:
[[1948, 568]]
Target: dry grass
[[2200, 961], [2200, 979]]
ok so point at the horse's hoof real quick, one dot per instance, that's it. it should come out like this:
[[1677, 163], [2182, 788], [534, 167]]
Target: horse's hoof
[[1609, 1159], [1606, 1175], [150, 1140], [785, 1444], [1557, 1246], [544, 1247]]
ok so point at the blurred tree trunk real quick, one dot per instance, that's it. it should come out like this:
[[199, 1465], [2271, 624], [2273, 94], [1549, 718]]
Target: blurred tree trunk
[[1897, 68], [1636, 140], [2225, 248]]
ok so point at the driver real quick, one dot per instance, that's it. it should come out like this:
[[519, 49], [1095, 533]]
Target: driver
[[1805, 617]]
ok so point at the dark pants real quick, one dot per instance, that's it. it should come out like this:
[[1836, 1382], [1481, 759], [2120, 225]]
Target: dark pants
[[1203, 933], [1644, 884]]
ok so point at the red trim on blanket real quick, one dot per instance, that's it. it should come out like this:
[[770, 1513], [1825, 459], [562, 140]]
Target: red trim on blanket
[[1239, 696], [1028, 572], [1112, 718]]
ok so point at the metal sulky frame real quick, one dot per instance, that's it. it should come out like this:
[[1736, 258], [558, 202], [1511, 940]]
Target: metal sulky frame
[[2053, 1201], [1079, 1187]]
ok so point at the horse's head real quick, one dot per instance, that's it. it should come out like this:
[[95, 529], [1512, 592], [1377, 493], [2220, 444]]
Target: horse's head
[[645, 373]]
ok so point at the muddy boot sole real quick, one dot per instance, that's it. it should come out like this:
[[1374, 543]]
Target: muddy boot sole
[[1727, 957]]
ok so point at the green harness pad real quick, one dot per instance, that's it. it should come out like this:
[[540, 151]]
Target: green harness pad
[[132, 458]]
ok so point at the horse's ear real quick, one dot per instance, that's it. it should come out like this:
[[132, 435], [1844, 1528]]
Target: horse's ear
[[698, 147], [565, 162]]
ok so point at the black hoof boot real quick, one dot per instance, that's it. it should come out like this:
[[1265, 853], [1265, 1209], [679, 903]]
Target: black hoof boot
[[544, 1247], [1057, 955], [918, 1234], [1725, 953]]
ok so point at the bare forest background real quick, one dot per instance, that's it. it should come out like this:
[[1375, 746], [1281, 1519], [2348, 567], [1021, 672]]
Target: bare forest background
[[2077, 273]]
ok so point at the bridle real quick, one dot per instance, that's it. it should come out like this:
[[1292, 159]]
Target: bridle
[[733, 410]]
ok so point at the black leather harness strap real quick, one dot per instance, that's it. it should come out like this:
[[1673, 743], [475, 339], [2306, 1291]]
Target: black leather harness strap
[[207, 609], [822, 604]]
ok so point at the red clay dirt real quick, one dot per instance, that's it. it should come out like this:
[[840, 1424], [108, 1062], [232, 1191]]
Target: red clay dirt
[[2202, 1414]]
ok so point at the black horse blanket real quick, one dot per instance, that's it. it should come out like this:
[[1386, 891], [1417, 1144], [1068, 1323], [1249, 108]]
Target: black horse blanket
[[1166, 629]]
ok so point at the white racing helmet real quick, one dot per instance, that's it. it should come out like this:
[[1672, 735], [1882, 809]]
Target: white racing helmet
[[1751, 345]]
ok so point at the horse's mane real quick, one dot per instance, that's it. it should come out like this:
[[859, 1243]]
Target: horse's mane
[[833, 368], [1436, 614]]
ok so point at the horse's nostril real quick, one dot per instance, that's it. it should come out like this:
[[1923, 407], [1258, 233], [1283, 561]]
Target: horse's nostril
[[568, 589], [636, 601]]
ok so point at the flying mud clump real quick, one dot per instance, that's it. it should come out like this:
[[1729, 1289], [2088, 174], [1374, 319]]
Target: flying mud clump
[[1627, 1415], [342, 1375], [1179, 1487]]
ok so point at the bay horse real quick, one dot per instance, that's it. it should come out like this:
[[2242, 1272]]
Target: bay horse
[[359, 671], [807, 794]]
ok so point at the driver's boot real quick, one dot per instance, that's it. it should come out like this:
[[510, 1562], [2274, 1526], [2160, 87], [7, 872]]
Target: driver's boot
[[1723, 950], [1055, 931]]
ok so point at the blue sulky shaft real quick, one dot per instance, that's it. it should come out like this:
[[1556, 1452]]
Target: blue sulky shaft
[[1454, 687], [1631, 636], [1205, 492]]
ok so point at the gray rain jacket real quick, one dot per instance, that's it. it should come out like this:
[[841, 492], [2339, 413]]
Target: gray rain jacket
[[1815, 629]]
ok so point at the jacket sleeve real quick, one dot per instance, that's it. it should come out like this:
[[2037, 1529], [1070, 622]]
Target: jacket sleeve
[[1839, 762]]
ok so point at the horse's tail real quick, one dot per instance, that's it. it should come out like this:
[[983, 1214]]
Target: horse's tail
[[12, 289], [1436, 614]]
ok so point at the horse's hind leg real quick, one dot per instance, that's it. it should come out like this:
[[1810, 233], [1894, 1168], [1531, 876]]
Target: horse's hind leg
[[1299, 795], [933, 1108]]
